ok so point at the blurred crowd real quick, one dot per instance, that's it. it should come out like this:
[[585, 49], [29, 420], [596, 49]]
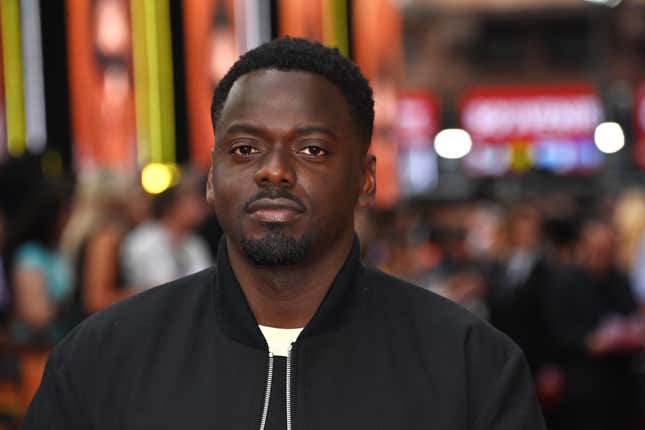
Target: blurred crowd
[[70, 249], [563, 276]]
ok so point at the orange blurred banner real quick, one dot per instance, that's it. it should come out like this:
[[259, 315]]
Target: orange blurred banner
[[210, 49], [378, 51], [102, 85], [298, 18]]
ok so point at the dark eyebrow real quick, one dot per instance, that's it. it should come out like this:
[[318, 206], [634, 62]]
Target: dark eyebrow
[[245, 128], [312, 129], [261, 131]]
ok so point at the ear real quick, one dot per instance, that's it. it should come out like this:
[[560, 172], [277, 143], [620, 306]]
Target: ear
[[368, 188], [210, 190]]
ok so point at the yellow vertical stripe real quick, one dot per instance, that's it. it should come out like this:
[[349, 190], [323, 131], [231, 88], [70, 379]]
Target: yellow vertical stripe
[[141, 81], [342, 23], [154, 102], [13, 77], [335, 32], [166, 88], [154, 81]]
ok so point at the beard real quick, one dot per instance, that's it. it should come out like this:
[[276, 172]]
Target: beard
[[276, 249]]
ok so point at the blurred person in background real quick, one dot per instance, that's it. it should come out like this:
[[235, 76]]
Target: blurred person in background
[[523, 238], [397, 243], [376, 233], [561, 234], [484, 232], [456, 275], [11, 403], [516, 283], [629, 220], [166, 248], [42, 280], [594, 325], [107, 206], [399, 259]]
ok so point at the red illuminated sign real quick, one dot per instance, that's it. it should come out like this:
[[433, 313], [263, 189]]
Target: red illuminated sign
[[500, 114], [417, 116], [415, 124], [515, 128]]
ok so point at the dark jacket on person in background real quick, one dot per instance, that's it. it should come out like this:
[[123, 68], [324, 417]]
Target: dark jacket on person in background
[[600, 391], [378, 354]]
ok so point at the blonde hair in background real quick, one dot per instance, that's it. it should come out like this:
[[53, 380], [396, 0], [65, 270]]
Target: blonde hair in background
[[96, 193], [629, 222]]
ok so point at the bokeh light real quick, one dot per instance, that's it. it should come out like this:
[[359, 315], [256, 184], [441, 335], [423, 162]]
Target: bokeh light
[[608, 3], [609, 137], [453, 143], [158, 177]]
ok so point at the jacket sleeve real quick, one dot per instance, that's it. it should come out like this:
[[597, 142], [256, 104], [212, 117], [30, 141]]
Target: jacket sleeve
[[56, 405], [501, 391]]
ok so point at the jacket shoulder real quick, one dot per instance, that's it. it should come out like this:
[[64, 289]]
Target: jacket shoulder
[[435, 314], [143, 305], [395, 292], [132, 320]]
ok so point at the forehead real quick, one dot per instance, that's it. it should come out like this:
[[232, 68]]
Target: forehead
[[275, 99]]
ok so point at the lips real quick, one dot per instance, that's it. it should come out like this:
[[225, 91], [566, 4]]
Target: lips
[[279, 210]]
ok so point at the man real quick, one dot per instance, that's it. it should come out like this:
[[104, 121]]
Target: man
[[289, 330]]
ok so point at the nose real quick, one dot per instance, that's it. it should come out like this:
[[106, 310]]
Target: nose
[[277, 169]]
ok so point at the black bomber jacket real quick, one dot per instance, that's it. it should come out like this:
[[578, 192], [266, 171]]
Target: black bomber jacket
[[378, 354]]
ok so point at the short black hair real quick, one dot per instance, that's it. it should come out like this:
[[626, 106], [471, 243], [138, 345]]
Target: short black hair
[[286, 54]]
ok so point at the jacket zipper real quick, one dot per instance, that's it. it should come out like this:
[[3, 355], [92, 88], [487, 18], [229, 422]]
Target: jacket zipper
[[267, 394], [289, 387]]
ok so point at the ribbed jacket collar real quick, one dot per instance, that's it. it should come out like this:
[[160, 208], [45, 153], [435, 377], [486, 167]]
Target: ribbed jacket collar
[[236, 320]]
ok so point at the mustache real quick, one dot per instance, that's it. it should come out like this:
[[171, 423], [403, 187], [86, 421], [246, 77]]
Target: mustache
[[274, 193]]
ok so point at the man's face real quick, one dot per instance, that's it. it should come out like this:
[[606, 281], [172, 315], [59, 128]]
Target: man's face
[[598, 248], [288, 167]]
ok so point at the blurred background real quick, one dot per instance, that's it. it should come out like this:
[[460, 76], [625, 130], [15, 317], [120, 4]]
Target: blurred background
[[510, 137]]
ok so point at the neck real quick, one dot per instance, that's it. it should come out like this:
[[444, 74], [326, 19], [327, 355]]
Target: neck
[[288, 296]]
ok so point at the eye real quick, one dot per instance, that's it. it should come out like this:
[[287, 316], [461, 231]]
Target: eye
[[313, 151], [244, 150]]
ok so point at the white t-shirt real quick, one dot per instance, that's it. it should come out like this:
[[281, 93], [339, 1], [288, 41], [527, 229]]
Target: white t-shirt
[[149, 257], [279, 339]]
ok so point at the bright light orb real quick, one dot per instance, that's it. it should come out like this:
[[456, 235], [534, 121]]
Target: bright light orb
[[608, 3], [453, 143], [609, 137], [156, 177]]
